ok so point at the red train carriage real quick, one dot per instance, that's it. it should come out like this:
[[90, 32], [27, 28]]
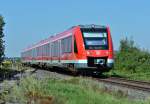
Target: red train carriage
[[80, 47]]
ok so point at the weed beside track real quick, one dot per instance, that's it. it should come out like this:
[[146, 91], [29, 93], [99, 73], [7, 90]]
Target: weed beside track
[[64, 91]]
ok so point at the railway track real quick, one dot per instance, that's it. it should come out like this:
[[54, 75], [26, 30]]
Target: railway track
[[131, 84], [138, 85]]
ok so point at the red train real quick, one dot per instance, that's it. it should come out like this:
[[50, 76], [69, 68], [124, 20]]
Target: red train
[[82, 47]]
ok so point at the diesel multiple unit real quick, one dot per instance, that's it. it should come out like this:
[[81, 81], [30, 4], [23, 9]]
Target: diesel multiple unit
[[82, 47]]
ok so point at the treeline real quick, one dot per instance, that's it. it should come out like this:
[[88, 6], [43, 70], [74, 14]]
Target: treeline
[[2, 47], [131, 58]]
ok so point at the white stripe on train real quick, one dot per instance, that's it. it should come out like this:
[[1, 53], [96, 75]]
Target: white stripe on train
[[56, 61], [63, 61]]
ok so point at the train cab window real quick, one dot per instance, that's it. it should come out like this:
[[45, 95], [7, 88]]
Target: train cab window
[[75, 46], [95, 39]]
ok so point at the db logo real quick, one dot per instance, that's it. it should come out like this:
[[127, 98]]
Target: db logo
[[97, 52]]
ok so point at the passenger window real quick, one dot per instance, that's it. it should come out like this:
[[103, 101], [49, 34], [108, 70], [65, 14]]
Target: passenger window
[[66, 44]]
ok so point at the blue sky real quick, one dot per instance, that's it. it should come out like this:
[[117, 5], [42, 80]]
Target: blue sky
[[29, 21]]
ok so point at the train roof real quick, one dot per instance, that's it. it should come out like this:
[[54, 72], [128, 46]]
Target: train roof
[[91, 26]]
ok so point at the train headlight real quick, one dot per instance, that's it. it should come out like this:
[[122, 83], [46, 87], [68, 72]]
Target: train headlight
[[88, 52]]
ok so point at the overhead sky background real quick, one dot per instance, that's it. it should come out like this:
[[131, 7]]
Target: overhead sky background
[[29, 21]]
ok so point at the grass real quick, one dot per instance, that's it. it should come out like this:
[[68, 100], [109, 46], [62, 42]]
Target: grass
[[143, 76], [58, 91]]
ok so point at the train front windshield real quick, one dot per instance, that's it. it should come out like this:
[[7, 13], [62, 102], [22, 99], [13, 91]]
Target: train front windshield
[[95, 40]]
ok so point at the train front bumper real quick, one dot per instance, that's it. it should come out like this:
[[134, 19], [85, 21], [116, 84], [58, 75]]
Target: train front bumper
[[108, 63]]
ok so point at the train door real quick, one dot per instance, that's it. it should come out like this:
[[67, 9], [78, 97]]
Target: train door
[[50, 56], [59, 50], [51, 53]]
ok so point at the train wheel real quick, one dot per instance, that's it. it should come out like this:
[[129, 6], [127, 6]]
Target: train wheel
[[73, 69]]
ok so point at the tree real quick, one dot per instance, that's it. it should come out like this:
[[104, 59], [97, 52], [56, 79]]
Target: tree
[[127, 45], [131, 58], [2, 46]]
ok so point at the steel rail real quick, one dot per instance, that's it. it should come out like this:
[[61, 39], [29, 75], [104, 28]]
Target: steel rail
[[139, 85]]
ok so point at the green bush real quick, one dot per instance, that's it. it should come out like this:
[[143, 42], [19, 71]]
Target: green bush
[[6, 64], [131, 58]]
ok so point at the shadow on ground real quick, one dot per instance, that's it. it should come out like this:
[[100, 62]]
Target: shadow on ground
[[9, 74], [80, 73]]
